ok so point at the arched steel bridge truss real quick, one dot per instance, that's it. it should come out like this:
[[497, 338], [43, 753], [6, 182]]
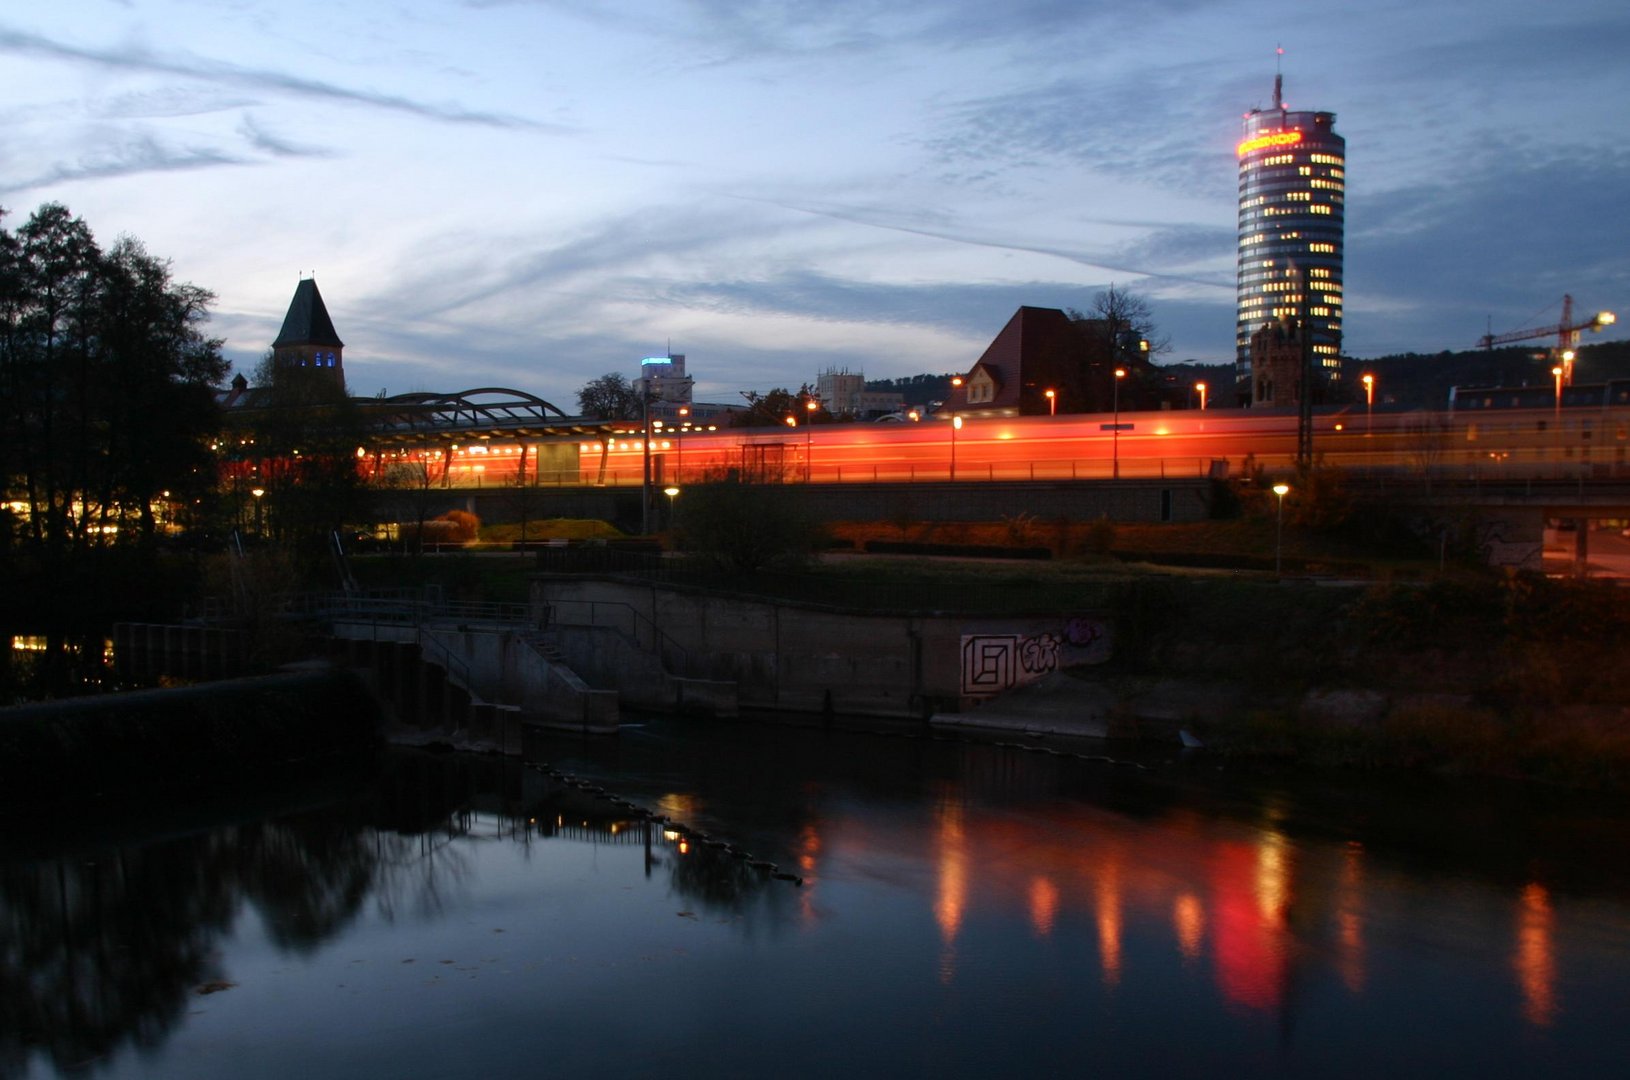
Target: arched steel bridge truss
[[480, 413]]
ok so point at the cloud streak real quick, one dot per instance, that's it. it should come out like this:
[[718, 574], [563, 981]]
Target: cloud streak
[[1100, 260], [137, 58], [142, 153]]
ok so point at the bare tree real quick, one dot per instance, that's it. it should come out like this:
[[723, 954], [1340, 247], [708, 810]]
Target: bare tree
[[610, 397], [1130, 322]]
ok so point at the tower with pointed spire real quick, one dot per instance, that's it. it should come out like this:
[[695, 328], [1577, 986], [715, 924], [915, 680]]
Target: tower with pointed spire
[[1292, 183], [307, 344]]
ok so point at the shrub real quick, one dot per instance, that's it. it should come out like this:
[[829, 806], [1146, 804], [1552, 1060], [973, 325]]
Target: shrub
[[745, 525], [466, 525]]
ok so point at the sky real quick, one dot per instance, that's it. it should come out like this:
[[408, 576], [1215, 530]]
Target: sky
[[533, 193]]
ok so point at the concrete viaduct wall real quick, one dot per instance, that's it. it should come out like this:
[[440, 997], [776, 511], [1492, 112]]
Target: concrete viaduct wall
[[1142, 500]]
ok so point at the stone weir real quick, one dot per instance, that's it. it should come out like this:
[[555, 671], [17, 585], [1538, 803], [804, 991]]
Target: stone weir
[[208, 736]]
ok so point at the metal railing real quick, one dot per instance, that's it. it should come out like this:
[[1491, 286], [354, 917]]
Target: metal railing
[[842, 592], [408, 606]]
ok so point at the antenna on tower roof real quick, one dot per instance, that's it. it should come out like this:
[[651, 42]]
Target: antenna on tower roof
[[1278, 78]]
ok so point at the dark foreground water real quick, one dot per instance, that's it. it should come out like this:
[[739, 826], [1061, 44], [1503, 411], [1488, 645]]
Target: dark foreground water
[[964, 909]]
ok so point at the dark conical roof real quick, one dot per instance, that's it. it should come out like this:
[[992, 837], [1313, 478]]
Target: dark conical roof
[[307, 322]]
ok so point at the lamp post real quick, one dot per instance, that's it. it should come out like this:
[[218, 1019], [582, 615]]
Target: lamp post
[[956, 426], [1201, 387], [645, 470], [1279, 531], [257, 493], [1052, 402], [809, 435], [1556, 373], [1115, 428], [1369, 404], [679, 444]]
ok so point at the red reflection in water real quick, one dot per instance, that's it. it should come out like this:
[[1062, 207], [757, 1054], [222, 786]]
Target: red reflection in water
[[1251, 889], [1535, 958]]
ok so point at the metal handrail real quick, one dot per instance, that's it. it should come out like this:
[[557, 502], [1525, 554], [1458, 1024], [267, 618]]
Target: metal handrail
[[455, 665], [674, 656]]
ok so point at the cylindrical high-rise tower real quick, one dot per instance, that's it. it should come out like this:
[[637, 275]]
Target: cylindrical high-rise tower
[[1292, 177]]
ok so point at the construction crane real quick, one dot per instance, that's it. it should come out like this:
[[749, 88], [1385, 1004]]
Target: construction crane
[[1566, 331]]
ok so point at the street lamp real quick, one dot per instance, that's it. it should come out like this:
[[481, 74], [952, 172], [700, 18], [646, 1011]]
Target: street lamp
[[956, 426], [1369, 404], [679, 444], [1201, 387], [257, 493], [1052, 402], [809, 435], [1115, 441], [1556, 373], [645, 456], [671, 492], [1279, 533]]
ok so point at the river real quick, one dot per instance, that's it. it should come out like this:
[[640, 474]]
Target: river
[[822, 901]]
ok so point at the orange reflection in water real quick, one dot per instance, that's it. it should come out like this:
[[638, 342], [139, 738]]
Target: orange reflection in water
[[1043, 905], [1113, 876], [952, 895], [1535, 959], [1109, 921], [809, 849], [1349, 919], [1188, 920]]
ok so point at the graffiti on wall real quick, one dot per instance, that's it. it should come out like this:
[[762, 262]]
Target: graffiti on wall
[[997, 660]]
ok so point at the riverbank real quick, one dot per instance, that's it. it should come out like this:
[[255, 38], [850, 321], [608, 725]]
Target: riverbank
[[186, 740], [1518, 677]]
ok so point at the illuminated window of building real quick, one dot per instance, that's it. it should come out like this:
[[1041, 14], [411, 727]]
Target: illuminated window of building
[[1321, 209]]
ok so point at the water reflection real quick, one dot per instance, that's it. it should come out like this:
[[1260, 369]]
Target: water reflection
[[36, 667], [1535, 958], [988, 889], [105, 948], [952, 893]]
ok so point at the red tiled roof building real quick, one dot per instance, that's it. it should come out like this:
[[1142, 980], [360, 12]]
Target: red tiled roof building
[[1041, 349]]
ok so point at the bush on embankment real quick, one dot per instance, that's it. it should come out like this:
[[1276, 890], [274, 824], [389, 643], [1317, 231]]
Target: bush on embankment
[[1516, 676], [181, 741]]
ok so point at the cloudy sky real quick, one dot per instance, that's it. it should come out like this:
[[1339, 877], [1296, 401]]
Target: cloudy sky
[[530, 193]]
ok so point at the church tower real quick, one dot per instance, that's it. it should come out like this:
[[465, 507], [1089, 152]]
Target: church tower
[[307, 342]]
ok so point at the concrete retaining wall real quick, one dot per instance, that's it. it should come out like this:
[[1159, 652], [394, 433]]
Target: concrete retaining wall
[[507, 679], [803, 658]]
